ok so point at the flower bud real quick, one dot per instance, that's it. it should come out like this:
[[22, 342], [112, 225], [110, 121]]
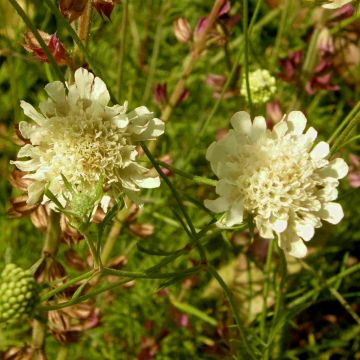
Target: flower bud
[[182, 30], [325, 42], [53, 43], [160, 94], [104, 7], [142, 230], [18, 294], [72, 9]]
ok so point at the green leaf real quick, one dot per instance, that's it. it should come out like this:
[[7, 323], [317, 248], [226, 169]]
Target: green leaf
[[191, 310]]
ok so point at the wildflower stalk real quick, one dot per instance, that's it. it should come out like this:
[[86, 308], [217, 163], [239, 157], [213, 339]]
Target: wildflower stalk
[[194, 56], [50, 248], [335, 293], [266, 287], [196, 179], [280, 32], [155, 51], [113, 235], [246, 55], [194, 238], [38, 37], [124, 23], [84, 24], [342, 125], [279, 302], [254, 16], [238, 321]]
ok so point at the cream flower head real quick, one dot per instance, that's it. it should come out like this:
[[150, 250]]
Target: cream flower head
[[78, 136], [276, 176]]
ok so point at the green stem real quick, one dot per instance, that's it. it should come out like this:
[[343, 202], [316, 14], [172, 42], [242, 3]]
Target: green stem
[[196, 179], [124, 22], [266, 287], [280, 32], [38, 37], [63, 287], [306, 297], [255, 15], [238, 321], [155, 52], [38, 339], [342, 125], [246, 57], [344, 136], [194, 238], [52, 236]]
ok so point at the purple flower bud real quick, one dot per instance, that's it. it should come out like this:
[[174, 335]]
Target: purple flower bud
[[160, 94]]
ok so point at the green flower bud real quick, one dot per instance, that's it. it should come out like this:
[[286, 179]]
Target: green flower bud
[[18, 294]]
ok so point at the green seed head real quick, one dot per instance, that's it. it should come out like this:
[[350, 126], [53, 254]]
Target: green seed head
[[17, 293]]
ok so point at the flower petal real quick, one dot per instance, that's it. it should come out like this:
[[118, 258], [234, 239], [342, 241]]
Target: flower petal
[[320, 151], [30, 112], [218, 205], [297, 249], [331, 212], [280, 129], [337, 169], [241, 122], [35, 191], [297, 122], [235, 214], [259, 127]]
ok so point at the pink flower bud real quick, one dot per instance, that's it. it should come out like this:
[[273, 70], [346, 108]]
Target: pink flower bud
[[200, 27], [182, 30], [160, 94]]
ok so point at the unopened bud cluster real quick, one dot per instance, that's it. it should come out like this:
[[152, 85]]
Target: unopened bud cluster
[[17, 293]]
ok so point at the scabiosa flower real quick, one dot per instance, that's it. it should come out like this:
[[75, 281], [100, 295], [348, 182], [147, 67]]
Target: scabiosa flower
[[278, 177], [262, 86], [76, 136]]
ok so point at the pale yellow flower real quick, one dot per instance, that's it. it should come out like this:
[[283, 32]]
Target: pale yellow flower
[[276, 176], [262, 86], [77, 135]]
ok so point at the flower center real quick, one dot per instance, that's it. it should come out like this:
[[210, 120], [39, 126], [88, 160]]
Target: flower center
[[276, 175]]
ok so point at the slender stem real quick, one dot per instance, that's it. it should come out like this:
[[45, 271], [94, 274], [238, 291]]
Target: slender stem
[[344, 136], [341, 126], [124, 23], [63, 287], [266, 287], [155, 52], [279, 303], [84, 24], [254, 16], [281, 29], [38, 37], [38, 339], [333, 280], [197, 179], [194, 238], [246, 55], [195, 54], [238, 321], [52, 236], [50, 248]]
